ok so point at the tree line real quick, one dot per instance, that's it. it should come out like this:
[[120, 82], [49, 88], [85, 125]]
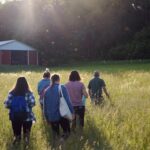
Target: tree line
[[64, 31]]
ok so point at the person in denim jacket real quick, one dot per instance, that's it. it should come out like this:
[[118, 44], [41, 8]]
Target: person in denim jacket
[[42, 85], [51, 108]]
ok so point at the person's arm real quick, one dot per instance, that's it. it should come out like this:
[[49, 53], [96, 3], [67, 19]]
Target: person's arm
[[106, 92], [90, 92], [67, 98], [105, 89], [8, 101], [85, 92], [31, 101], [89, 89]]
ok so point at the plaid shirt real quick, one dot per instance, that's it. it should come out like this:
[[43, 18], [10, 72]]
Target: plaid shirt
[[30, 102]]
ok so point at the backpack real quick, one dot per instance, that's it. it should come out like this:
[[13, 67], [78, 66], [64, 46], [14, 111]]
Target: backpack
[[18, 109]]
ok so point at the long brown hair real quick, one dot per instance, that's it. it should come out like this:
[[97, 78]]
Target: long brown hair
[[74, 76], [21, 87]]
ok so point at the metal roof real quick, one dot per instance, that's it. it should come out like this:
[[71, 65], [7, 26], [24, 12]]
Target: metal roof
[[14, 45]]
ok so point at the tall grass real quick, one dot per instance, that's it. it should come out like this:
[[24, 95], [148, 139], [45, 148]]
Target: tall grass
[[123, 124]]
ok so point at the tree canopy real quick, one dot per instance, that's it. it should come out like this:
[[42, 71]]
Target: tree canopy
[[68, 30]]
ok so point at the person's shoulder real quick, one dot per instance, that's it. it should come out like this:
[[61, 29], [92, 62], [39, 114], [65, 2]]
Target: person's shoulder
[[63, 86], [81, 84], [10, 93], [40, 81], [66, 84], [46, 80], [102, 80], [93, 79], [29, 93]]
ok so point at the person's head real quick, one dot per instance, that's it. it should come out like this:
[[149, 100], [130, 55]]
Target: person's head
[[21, 86], [74, 76], [96, 74], [55, 79], [46, 73]]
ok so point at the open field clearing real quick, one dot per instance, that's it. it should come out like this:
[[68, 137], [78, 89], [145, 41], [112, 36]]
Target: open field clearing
[[123, 124]]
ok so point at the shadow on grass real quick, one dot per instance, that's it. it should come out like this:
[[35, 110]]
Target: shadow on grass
[[95, 136], [19, 146], [49, 139], [48, 134], [90, 139]]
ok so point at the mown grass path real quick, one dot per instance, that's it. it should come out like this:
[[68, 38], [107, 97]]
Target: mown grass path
[[125, 125]]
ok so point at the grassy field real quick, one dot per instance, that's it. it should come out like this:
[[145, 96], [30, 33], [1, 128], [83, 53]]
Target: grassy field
[[125, 125]]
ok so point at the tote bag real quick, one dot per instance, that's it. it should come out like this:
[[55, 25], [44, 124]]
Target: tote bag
[[63, 107]]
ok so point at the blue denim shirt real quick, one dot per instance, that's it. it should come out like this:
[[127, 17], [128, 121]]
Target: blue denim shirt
[[51, 103], [42, 85], [30, 101]]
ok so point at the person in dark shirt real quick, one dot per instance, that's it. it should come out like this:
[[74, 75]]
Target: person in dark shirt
[[96, 87]]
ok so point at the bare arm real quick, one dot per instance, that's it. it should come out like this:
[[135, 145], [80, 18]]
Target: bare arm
[[106, 92], [85, 93], [90, 92]]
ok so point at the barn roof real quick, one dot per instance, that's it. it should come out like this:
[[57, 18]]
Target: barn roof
[[14, 45]]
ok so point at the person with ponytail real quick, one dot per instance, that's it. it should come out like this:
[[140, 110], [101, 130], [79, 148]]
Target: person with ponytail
[[51, 108]]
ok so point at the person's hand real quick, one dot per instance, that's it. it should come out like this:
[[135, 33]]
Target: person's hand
[[108, 96]]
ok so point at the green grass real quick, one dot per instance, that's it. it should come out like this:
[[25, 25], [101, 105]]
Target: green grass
[[125, 125]]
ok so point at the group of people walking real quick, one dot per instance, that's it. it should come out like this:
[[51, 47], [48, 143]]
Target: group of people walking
[[20, 101]]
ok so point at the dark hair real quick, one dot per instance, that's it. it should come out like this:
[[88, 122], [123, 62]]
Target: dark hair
[[21, 87], [46, 73], [96, 74], [74, 76], [54, 78]]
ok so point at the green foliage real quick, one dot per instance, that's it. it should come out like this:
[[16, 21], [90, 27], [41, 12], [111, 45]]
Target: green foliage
[[138, 48], [64, 30], [141, 44], [122, 125]]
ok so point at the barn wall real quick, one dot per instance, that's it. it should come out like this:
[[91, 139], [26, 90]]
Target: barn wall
[[33, 58], [6, 57], [18, 57]]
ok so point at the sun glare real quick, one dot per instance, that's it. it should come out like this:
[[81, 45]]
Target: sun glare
[[2, 1]]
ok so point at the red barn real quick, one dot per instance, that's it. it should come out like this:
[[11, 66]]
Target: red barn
[[13, 52]]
